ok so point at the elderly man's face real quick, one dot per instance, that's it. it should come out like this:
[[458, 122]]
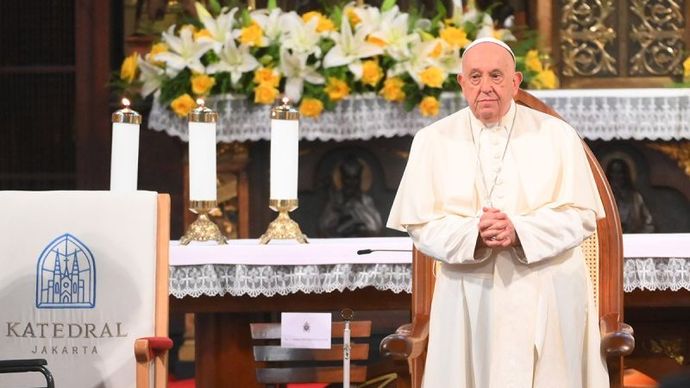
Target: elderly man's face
[[489, 81]]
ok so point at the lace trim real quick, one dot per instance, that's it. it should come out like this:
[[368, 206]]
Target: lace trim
[[656, 274], [627, 114], [237, 280], [209, 279]]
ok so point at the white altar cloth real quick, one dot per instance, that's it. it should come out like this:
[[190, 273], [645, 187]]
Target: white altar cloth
[[290, 252], [243, 267]]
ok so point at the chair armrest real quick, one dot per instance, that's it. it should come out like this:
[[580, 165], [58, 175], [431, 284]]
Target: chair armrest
[[409, 340], [147, 348], [616, 337]]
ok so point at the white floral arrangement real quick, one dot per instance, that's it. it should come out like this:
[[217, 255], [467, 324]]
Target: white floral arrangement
[[318, 58]]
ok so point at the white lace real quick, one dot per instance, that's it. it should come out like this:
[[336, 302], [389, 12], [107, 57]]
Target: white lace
[[255, 280], [655, 114], [656, 274]]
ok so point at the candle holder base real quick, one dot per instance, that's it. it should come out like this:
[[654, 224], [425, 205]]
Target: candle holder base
[[283, 227], [203, 229]]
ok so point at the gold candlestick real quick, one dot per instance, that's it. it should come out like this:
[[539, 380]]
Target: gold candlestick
[[202, 145], [202, 229], [283, 227]]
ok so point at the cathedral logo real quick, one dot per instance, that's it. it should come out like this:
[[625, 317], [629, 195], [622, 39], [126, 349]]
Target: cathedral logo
[[66, 275]]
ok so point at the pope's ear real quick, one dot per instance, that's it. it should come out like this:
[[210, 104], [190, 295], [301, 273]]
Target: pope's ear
[[517, 80]]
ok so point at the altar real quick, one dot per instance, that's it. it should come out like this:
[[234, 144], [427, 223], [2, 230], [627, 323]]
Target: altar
[[230, 286]]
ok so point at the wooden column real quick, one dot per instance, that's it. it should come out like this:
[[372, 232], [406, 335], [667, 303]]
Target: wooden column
[[92, 111]]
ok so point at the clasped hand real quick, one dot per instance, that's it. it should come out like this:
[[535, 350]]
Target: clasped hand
[[495, 229]]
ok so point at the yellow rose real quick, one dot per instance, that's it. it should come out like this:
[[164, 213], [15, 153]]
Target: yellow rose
[[202, 84], [310, 107], [455, 37], [128, 70], [371, 73], [324, 23], [183, 105], [429, 106], [202, 33], [353, 17], [686, 68], [545, 79], [336, 89], [432, 76], [252, 35], [437, 51], [376, 41], [392, 89], [267, 75], [155, 50], [532, 61], [265, 93]]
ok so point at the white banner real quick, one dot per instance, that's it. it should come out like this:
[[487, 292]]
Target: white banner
[[77, 284]]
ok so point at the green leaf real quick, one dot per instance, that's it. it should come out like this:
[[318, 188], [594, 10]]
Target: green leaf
[[440, 13], [176, 87], [245, 17], [387, 5], [214, 7]]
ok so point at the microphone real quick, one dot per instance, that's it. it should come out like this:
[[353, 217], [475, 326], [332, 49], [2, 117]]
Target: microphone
[[368, 251]]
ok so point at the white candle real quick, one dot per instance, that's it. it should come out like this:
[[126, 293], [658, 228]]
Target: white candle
[[124, 157], [202, 154], [284, 158], [346, 355]]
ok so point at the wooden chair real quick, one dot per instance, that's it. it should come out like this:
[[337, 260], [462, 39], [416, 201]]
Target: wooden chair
[[154, 350], [604, 256], [278, 366]]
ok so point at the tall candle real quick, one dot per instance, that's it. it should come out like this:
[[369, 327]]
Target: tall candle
[[202, 153], [284, 151], [124, 156]]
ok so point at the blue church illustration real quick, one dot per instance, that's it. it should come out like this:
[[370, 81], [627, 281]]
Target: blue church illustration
[[66, 275]]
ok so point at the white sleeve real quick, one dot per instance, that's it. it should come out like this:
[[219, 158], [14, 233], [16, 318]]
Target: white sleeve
[[546, 233], [451, 239]]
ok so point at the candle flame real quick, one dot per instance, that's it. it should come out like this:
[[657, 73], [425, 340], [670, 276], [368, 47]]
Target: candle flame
[[200, 101], [125, 102], [286, 100]]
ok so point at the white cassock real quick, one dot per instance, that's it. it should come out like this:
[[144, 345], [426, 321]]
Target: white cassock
[[509, 317]]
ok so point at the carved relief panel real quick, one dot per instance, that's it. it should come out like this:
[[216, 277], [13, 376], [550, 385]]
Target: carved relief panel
[[613, 43]]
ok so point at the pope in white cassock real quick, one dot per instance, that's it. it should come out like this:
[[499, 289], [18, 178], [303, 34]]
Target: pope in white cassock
[[502, 195]]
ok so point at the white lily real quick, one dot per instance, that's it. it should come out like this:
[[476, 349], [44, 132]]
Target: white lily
[[234, 60], [294, 68], [300, 37], [271, 22], [450, 61], [349, 49], [370, 17], [183, 52], [505, 35], [151, 76], [219, 28], [419, 60], [393, 30]]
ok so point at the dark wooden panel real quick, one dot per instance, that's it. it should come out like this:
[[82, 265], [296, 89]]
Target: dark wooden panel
[[367, 298], [38, 150], [309, 375], [278, 353], [37, 32]]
